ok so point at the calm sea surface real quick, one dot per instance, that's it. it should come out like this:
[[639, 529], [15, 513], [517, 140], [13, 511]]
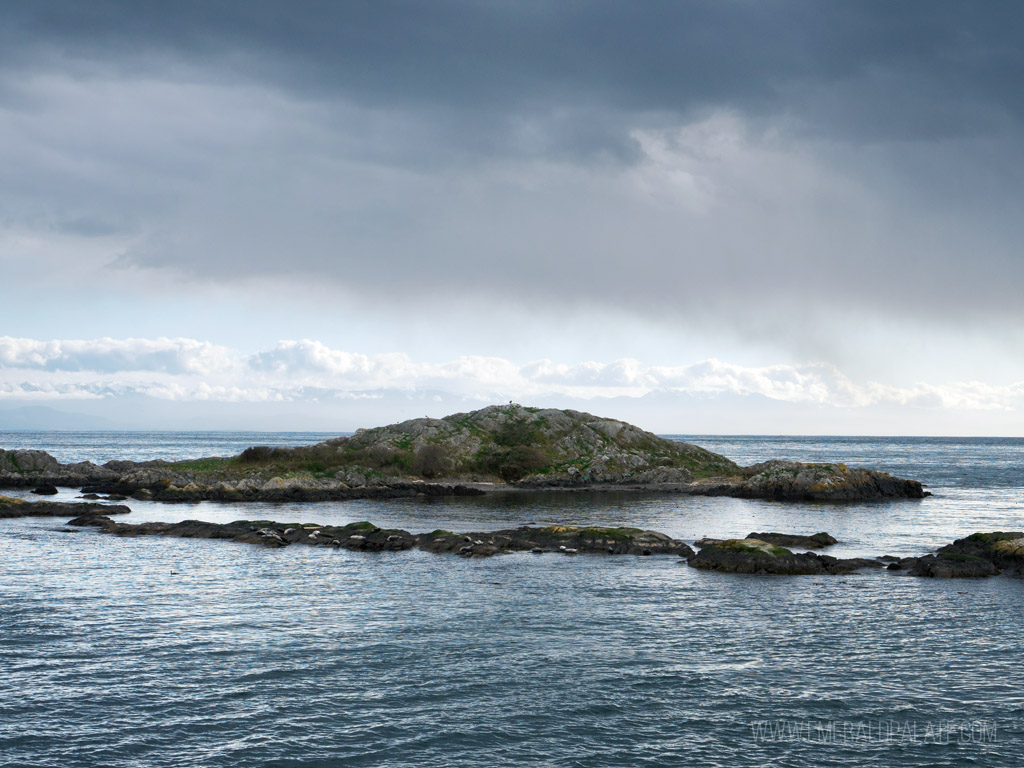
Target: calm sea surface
[[171, 652]]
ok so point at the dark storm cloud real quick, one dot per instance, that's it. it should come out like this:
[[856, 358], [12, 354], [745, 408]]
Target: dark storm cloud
[[908, 69], [778, 166]]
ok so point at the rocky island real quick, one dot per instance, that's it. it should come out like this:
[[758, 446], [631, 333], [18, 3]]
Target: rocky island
[[508, 447]]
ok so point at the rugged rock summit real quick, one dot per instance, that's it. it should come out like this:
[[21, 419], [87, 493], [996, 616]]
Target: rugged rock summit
[[531, 446]]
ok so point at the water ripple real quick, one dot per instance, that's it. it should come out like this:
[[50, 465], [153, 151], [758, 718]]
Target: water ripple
[[198, 654]]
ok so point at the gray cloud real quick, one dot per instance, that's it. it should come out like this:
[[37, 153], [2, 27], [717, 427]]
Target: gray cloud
[[912, 69], [778, 168]]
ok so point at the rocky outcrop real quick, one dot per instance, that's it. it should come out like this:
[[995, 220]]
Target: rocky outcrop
[[1007, 553], [814, 541], [977, 555], [1004, 549], [27, 462], [32, 469], [950, 566], [12, 507], [793, 481], [365, 536], [761, 557]]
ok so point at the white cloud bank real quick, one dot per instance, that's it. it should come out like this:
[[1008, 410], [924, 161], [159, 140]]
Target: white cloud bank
[[173, 356], [304, 371]]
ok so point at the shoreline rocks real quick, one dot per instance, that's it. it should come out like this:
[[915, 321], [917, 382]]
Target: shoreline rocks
[[276, 489], [159, 481]]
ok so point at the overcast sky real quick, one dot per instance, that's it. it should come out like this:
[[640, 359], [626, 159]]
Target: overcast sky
[[663, 209]]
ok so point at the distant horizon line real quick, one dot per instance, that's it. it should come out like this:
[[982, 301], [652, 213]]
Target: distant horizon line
[[348, 433]]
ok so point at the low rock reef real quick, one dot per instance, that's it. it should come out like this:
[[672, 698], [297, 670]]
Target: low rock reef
[[367, 537], [12, 507], [978, 555], [499, 448]]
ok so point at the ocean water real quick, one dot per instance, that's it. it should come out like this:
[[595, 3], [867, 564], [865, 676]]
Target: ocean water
[[170, 652]]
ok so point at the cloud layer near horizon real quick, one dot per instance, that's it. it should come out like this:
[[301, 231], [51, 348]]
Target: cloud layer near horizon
[[305, 370]]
